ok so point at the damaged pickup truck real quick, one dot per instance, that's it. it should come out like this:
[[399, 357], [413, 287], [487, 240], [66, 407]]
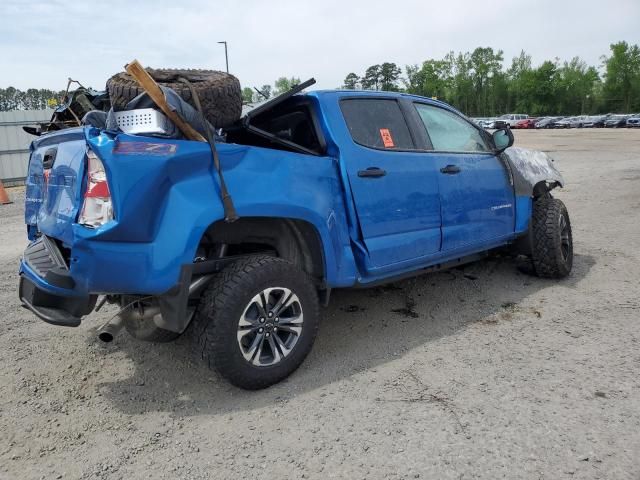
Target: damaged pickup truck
[[331, 189]]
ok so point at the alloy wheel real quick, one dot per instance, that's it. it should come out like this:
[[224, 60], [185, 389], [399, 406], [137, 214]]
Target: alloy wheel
[[270, 326]]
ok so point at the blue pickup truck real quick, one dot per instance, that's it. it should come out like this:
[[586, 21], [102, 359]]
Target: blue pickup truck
[[332, 189]]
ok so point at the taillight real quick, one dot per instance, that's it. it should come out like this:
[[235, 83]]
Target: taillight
[[97, 208]]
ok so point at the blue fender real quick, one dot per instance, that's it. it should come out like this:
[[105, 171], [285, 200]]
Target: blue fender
[[166, 194]]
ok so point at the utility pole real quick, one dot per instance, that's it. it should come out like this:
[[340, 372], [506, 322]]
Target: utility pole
[[226, 55]]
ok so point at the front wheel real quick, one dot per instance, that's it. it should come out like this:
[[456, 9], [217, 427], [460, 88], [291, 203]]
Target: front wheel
[[552, 252], [257, 321]]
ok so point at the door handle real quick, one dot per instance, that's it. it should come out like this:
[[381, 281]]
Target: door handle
[[450, 169], [372, 172]]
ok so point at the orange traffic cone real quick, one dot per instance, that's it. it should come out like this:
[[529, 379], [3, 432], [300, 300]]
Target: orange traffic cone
[[4, 198]]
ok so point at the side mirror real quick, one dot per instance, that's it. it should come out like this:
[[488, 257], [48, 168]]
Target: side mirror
[[502, 139]]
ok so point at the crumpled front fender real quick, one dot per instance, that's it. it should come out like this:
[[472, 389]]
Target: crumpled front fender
[[532, 169]]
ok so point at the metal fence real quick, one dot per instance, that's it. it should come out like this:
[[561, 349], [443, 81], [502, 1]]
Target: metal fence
[[14, 142]]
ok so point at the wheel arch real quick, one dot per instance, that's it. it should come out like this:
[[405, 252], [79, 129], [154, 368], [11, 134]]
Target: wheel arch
[[534, 173], [543, 187], [295, 240]]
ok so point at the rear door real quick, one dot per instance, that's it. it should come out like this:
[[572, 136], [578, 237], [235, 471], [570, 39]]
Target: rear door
[[395, 188], [476, 195]]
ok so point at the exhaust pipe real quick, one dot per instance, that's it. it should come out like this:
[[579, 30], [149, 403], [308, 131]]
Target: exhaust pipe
[[109, 330]]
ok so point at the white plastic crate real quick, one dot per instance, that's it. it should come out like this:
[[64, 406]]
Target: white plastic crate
[[141, 120]]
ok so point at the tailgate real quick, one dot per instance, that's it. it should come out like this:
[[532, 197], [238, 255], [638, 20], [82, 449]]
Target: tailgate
[[54, 183]]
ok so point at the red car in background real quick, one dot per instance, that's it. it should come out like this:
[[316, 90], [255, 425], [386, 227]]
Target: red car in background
[[526, 123]]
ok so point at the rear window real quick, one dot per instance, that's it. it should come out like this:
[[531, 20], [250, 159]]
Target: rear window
[[377, 123]]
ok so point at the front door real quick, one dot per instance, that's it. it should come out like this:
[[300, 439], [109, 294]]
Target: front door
[[476, 195]]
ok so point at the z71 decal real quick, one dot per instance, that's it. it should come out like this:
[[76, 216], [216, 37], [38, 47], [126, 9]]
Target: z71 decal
[[145, 148]]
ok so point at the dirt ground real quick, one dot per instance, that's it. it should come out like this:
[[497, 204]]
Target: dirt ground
[[484, 372]]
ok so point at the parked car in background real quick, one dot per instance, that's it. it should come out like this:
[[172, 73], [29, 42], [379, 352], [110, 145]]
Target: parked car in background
[[633, 122], [547, 122], [492, 123], [595, 121], [564, 123], [483, 121], [616, 121], [579, 121], [526, 123], [512, 118]]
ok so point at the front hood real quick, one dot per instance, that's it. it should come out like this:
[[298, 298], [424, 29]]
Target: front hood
[[530, 167]]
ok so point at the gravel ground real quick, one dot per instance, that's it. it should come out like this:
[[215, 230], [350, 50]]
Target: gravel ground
[[484, 372]]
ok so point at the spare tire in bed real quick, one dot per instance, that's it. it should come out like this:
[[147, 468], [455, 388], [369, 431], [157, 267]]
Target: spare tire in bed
[[219, 93]]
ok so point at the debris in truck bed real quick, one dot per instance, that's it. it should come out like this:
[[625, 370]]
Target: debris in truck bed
[[219, 92]]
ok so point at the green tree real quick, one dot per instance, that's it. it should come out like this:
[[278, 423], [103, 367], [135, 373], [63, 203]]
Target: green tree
[[517, 74], [576, 87], [351, 81], [371, 78], [476, 82], [622, 78], [537, 90], [413, 80], [284, 84], [389, 76], [247, 95], [485, 64], [32, 99], [432, 79], [9, 99], [265, 93], [462, 94]]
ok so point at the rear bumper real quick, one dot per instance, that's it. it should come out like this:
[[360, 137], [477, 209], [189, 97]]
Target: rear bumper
[[101, 267], [54, 305], [59, 295], [47, 288], [61, 291]]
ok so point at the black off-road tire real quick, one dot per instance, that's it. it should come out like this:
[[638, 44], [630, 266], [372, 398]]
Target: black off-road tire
[[147, 331], [214, 329], [552, 241], [219, 93]]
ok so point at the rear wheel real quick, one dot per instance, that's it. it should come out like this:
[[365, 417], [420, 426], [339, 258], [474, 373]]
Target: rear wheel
[[552, 252], [256, 321]]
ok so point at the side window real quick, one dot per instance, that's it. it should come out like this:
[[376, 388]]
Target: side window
[[377, 123], [449, 132]]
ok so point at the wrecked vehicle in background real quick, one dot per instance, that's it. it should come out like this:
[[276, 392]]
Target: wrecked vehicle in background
[[74, 106], [219, 94], [333, 189]]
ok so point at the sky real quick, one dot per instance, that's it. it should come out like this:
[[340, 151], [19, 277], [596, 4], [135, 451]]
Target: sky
[[43, 42]]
